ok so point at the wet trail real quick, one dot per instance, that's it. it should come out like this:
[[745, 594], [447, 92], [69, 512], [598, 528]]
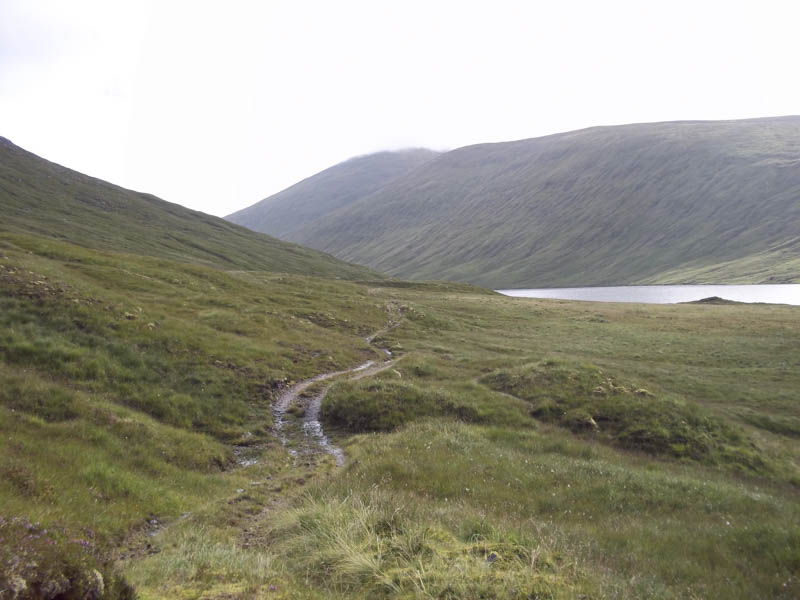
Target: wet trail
[[305, 435], [296, 423]]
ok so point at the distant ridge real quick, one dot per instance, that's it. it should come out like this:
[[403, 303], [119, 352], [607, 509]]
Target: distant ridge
[[672, 202], [287, 213], [46, 199]]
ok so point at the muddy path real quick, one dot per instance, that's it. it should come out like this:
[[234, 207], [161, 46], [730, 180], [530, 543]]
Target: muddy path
[[296, 415], [296, 424]]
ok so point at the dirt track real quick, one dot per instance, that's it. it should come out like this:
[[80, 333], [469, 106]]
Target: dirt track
[[307, 436]]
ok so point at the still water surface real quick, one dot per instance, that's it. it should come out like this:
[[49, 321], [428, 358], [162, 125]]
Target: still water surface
[[666, 294]]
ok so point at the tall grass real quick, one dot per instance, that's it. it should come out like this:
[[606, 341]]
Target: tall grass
[[378, 543], [422, 512], [125, 381], [200, 556]]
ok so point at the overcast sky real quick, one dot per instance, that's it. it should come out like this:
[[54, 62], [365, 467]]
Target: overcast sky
[[216, 105]]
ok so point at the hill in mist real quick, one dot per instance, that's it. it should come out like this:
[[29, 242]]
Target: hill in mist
[[287, 213], [693, 201]]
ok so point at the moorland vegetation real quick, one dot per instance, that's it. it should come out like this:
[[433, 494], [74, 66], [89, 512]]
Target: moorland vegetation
[[512, 448]]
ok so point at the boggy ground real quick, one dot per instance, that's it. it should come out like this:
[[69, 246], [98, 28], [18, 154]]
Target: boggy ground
[[516, 448], [467, 488]]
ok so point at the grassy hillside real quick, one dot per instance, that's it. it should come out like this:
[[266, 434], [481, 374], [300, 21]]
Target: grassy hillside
[[517, 447], [125, 380], [287, 213], [509, 448], [579, 443], [688, 202], [40, 197]]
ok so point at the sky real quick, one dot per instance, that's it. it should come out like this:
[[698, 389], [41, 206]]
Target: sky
[[216, 105]]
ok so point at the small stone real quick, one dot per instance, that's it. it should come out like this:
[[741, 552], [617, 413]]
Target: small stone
[[97, 585], [17, 584]]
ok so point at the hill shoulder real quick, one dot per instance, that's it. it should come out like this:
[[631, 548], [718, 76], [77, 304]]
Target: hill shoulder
[[46, 199]]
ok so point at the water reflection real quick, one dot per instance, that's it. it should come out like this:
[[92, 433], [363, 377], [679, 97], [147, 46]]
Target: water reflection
[[667, 294]]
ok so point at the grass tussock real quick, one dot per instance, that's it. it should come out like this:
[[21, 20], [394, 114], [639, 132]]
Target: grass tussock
[[587, 401], [383, 405], [379, 544], [38, 562], [201, 557]]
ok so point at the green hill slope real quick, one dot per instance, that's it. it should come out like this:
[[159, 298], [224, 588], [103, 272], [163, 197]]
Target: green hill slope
[[43, 198], [287, 213], [580, 444], [665, 202], [496, 448]]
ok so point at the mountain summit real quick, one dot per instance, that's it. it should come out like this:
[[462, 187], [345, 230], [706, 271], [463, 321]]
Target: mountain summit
[[288, 213]]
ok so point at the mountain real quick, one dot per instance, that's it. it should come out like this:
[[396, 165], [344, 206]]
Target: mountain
[[287, 213], [692, 201], [46, 199]]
